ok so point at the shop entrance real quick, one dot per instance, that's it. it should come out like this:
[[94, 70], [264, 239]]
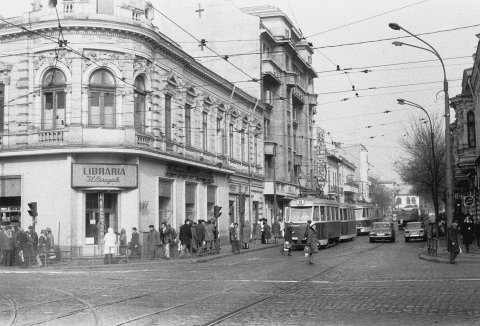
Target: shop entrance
[[100, 214]]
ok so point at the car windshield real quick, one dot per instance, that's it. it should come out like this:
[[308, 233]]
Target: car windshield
[[379, 225], [414, 225]]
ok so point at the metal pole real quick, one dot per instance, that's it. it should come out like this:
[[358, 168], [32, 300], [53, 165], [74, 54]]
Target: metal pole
[[448, 143], [274, 181]]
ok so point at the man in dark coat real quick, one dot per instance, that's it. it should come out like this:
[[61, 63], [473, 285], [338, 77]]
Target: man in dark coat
[[153, 242], [288, 238], [452, 241], [185, 235], [468, 229], [135, 244], [34, 236], [312, 242]]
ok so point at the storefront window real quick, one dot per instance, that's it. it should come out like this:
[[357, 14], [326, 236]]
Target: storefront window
[[211, 195], [165, 212], [190, 196], [100, 210]]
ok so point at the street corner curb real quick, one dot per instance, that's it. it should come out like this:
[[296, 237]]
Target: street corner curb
[[434, 259], [243, 252]]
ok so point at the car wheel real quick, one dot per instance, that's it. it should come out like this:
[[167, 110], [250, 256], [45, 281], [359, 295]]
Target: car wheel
[[372, 241], [393, 239], [407, 239]]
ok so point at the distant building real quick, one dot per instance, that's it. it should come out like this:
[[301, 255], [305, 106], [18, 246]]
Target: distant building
[[262, 51]]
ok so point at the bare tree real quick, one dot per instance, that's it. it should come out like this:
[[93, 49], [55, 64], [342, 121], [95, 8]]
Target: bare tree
[[417, 168], [380, 194]]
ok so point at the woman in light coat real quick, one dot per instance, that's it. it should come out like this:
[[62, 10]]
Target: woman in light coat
[[110, 240]]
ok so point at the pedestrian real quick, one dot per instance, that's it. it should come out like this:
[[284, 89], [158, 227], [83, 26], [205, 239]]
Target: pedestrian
[[153, 242], [262, 226], [34, 235], [468, 232], [42, 245], [452, 241], [237, 232], [231, 237], [246, 234], [51, 242], [122, 242], [6, 243], [312, 243], [193, 241], [173, 239], [25, 248], [135, 244], [276, 231], [109, 243], [185, 236], [166, 236], [288, 238], [267, 233], [200, 236], [282, 227], [209, 237], [257, 232]]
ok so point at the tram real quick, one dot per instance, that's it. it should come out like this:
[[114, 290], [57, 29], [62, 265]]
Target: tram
[[327, 215], [348, 227], [365, 215]]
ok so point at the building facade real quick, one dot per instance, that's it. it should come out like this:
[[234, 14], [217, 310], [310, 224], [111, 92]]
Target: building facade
[[269, 57], [106, 122]]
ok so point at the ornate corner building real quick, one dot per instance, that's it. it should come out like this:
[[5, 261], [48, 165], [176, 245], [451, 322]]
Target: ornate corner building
[[107, 122]]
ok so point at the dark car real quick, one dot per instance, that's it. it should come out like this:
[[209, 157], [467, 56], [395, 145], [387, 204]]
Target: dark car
[[415, 230], [382, 231]]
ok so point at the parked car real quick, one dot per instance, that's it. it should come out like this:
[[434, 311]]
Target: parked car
[[382, 231], [415, 230]]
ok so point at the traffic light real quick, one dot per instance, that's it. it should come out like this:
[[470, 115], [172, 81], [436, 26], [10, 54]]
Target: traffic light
[[32, 209], [216, 211]]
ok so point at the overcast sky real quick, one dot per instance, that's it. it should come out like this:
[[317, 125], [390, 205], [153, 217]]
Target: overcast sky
[[330, 25]]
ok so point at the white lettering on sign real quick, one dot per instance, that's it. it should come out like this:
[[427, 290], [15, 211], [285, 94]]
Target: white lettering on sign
[[104, 175]]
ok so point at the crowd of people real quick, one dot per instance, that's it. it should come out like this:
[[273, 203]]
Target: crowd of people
[[24, 248], [468, 230]]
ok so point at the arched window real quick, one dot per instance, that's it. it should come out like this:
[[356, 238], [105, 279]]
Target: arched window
[[139, 104], [53, 100], [471, 129], [101, 109]]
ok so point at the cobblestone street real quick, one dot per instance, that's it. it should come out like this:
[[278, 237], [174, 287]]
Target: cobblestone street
[[354, 283]]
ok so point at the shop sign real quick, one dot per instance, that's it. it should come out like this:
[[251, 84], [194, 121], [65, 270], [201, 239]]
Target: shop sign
[[104, 175]]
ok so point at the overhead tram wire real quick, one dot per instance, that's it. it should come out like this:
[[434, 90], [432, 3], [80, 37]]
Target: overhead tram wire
[[365, 19]]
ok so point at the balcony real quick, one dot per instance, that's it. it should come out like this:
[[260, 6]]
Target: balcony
[[291, 79], [78, 138], [271, 73], [283, 189], [297, 159], [333, 190], [350, 188]]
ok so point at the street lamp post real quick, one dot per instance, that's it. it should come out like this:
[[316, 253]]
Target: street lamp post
[[448, 143], [401, 101]]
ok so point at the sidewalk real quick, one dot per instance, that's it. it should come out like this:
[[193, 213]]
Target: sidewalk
[[225, 251], [443, 256]]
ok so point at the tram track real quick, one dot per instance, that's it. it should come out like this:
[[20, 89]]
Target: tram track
[[13, 320]]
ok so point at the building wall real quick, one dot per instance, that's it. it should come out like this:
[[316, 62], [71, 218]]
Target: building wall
[[127, 46]]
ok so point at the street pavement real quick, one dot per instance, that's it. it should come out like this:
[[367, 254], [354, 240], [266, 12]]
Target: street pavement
[[353, 283], [443, 256]]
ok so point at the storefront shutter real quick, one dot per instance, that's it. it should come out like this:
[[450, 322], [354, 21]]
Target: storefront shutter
[[190, 193]]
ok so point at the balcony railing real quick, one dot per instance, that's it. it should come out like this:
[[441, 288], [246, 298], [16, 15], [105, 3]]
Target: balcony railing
[[84, 137]]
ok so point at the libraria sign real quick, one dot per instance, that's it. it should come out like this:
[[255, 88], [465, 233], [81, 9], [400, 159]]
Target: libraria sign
[[104, 175]]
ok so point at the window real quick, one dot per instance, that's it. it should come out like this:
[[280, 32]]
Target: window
[[243, 146], [190, 200], [266, 129], [287, 62], [188, 125], [139, 105], [105, 7], [101, 110], [205, 132], [231, 140], [220, 136], [2, 107], [53, 97], [255, 149], [168, 117], [471, 129]]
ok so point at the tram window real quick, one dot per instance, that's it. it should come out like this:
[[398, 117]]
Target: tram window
[[335, 213], [329, 214], [316, 214], [322, 213], [341, 214]]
